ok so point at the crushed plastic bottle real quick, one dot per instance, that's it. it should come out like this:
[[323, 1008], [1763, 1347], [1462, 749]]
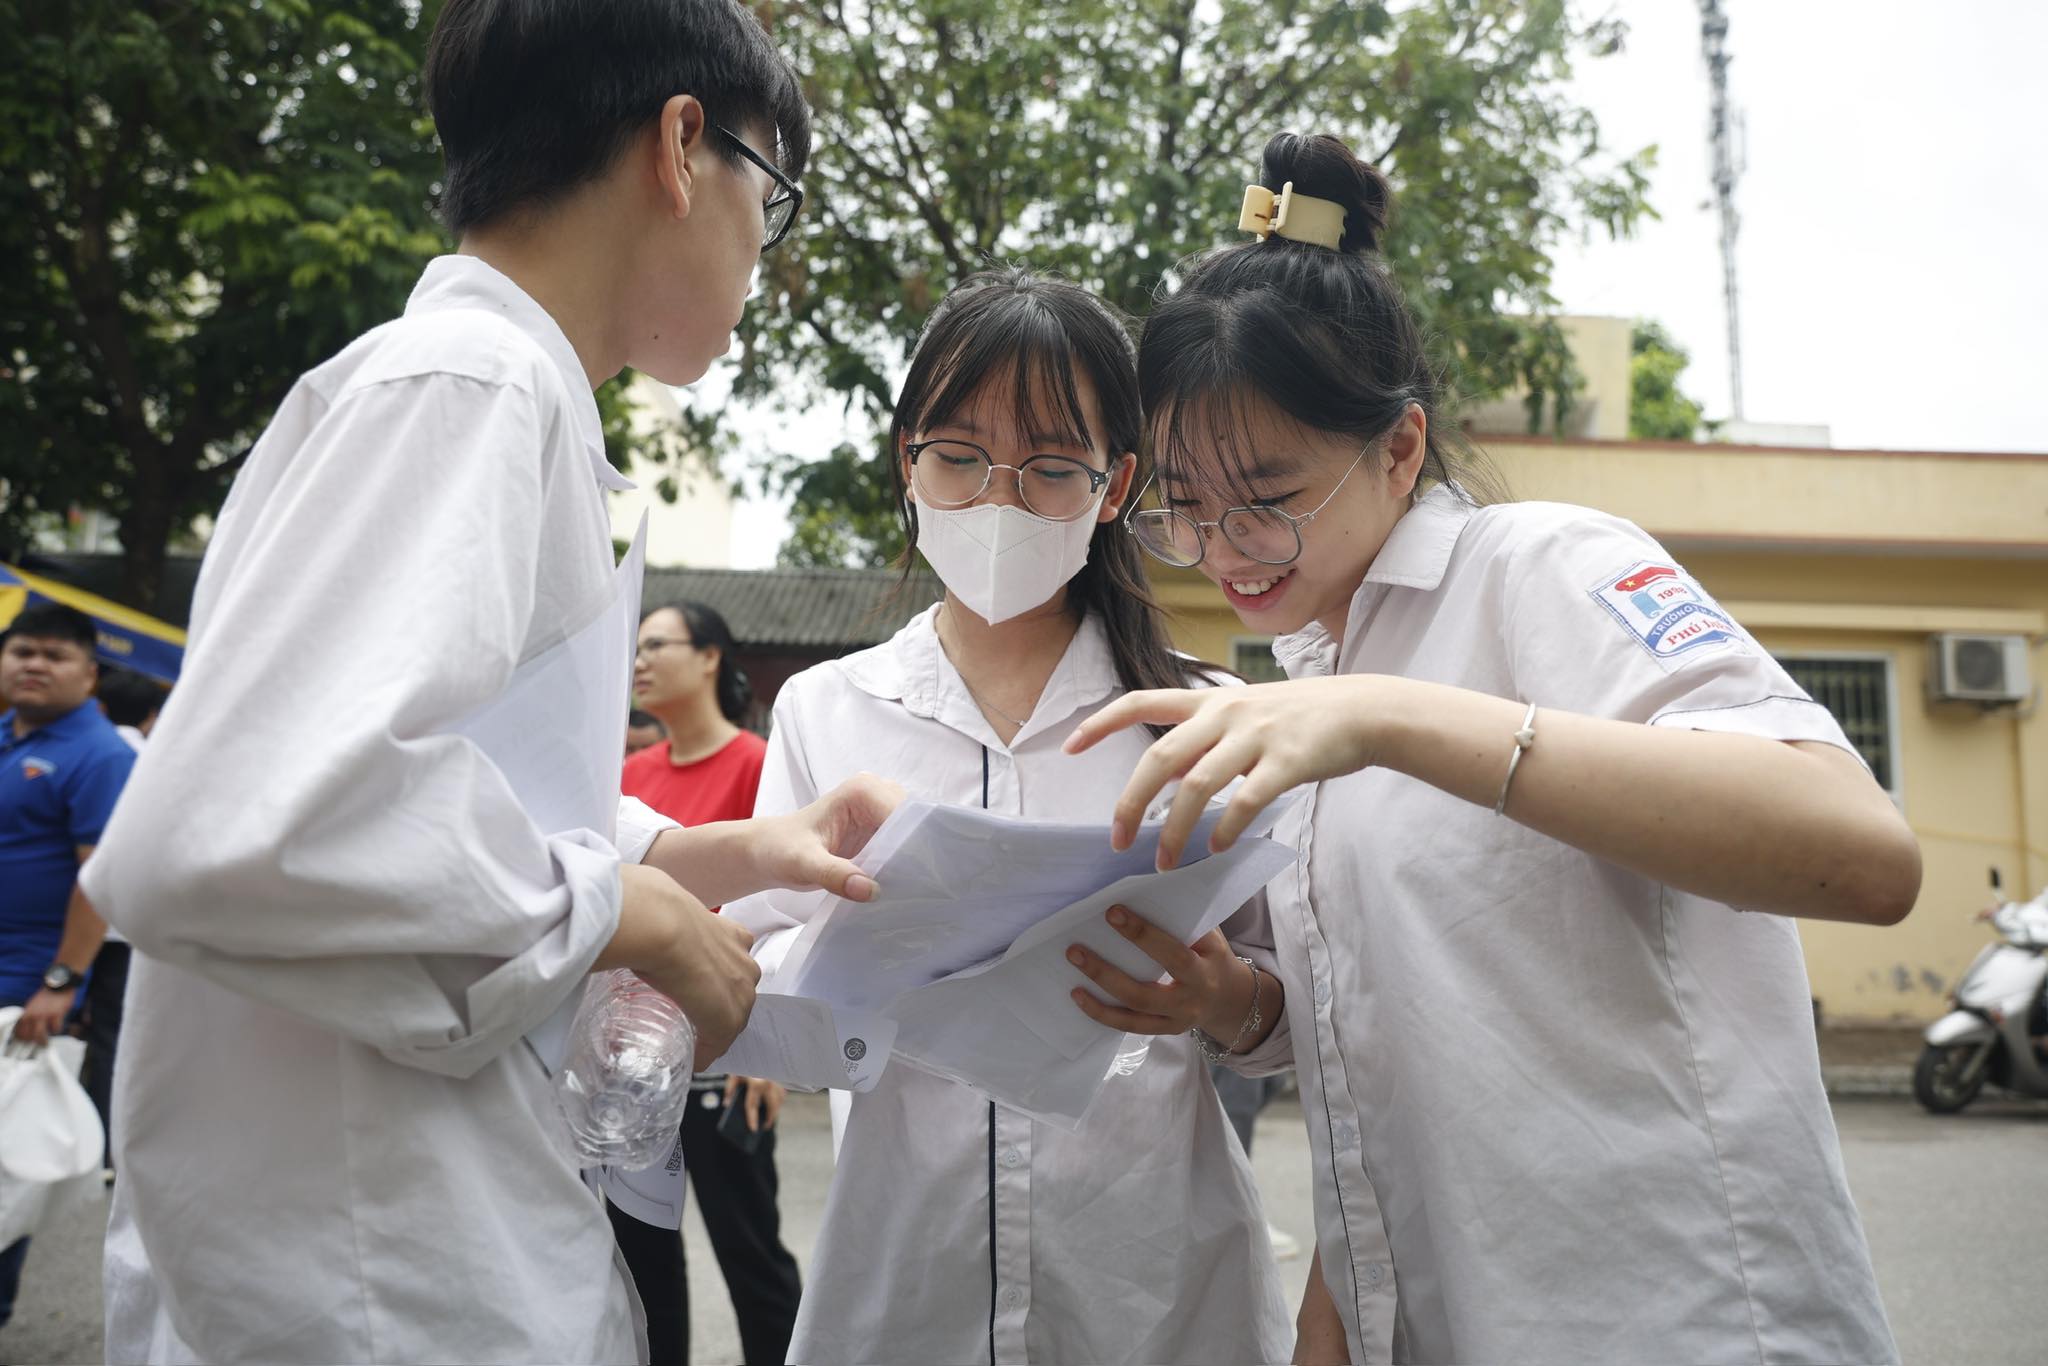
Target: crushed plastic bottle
[[626, 1078]]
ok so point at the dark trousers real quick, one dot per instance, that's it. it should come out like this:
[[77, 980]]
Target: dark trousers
[[10, 1276], [1243, 1098], [100, 1017], [736, 1195]]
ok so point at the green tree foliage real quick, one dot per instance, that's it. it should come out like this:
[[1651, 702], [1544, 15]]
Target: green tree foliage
[[1657, 409], [201, 199], [1105, 139]]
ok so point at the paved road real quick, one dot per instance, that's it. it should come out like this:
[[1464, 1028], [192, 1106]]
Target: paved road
[[1957, 1211]]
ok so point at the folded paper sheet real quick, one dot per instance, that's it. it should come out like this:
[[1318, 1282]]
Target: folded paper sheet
[[1010, 1029], [965, 948]]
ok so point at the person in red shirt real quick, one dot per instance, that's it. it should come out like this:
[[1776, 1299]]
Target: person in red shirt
[[685, 674]]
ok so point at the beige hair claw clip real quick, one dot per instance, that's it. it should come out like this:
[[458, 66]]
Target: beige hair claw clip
[[1292, 215]]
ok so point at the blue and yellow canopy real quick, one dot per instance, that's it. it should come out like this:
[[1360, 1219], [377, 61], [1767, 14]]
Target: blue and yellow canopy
[[129, 638]]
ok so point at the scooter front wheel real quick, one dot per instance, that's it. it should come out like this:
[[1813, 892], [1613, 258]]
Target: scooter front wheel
[[1945, 1080]]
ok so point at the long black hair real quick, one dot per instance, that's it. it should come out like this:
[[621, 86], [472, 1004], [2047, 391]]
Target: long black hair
[[1324, 336], [1042, 334], [708, 631]]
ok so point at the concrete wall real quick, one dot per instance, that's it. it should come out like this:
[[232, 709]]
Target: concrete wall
[[1842, 552], [694, 531], [1602, 348]]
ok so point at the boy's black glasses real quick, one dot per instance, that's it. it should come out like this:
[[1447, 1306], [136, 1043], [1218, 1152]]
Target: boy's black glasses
[[782, 207]]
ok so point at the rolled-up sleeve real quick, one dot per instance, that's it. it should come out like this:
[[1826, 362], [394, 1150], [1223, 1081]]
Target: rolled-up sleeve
[[303, 828], [639, 825]]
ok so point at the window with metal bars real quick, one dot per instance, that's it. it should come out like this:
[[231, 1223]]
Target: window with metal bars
[[1252, 656], [1857, 691]]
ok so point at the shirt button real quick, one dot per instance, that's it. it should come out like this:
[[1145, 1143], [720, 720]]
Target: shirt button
[[1013, 1297], [1374, 1275], [1345, 1135], [1012, 1158], [1322, 993]]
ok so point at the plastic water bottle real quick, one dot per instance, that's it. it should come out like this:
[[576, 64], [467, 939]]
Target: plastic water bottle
[[626, 1078], [1130, 1055]]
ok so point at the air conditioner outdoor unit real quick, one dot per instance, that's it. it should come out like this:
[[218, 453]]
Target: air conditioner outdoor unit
[[1987, 670]]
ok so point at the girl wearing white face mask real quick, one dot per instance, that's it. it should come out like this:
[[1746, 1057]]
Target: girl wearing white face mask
[[958, 1230]]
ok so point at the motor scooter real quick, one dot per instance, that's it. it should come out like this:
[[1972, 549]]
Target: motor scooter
[[1999, 1013]]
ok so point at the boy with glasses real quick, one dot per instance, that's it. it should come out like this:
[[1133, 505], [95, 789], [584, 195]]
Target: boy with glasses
[[352, 917]]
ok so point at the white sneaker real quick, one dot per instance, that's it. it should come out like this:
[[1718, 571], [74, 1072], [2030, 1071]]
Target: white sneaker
[[1285, 1245]]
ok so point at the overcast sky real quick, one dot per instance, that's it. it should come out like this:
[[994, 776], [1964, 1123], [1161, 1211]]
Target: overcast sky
[[1894, 219], [1894, 213]]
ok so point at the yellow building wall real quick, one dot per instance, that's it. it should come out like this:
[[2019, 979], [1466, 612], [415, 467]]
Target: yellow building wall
[[1833, 552]]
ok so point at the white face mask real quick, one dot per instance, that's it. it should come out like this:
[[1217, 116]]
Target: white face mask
[[1002, 561]]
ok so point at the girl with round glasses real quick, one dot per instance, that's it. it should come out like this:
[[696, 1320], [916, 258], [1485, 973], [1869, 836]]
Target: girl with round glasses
[[959, 1230], [1543, 986]]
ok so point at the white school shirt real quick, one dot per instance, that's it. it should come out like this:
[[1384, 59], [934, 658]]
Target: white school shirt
[[1584, 1110], [334, 1145], [960, 1231]]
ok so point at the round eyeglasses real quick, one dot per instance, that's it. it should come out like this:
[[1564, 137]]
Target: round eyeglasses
[[1264, 534], [952, 474]]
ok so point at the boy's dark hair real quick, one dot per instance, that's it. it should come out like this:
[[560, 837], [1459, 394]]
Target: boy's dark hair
[[1322, 335], [127, 697], [637, 719], [535, 97], [54, 621], [1038, 335]]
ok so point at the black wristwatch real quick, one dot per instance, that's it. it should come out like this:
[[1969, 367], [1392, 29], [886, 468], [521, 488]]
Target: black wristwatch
[[60, 978]]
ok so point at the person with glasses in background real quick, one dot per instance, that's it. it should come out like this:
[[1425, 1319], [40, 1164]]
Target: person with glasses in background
[[1544, 989], [687, 677]]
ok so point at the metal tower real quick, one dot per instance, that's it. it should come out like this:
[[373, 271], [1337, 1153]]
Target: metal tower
[[1723, 129]]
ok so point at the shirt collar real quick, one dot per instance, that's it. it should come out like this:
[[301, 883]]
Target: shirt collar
[[1418, 549], [74, 722], [466, 282], [1416, 555], [912, 668]]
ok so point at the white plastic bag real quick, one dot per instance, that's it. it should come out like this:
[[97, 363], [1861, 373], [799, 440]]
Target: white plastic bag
[[50, 1136]]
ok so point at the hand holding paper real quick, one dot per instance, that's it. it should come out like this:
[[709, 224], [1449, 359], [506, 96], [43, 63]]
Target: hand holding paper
[[964, 952], [1208, 987]]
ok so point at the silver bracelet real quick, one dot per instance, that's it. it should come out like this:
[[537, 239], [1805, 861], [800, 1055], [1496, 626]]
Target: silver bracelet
[[1524, 738], [1210, 1052]]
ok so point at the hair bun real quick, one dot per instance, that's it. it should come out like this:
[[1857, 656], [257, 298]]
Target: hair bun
[[1323, 167]]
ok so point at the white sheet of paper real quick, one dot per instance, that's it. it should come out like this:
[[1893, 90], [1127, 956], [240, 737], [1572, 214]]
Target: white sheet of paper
[[965, 946], [554, 733], [933, 861], [554, 730], [1009, 1028], [808, 1046]]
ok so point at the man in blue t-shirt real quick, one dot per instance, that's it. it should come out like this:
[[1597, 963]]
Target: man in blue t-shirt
[[62, 766]]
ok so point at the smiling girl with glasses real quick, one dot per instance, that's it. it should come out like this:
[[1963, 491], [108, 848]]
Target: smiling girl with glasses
[[1562, 1093]]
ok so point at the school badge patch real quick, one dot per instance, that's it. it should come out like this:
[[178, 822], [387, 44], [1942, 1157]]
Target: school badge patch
[[1666, 612], [33, 768]]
